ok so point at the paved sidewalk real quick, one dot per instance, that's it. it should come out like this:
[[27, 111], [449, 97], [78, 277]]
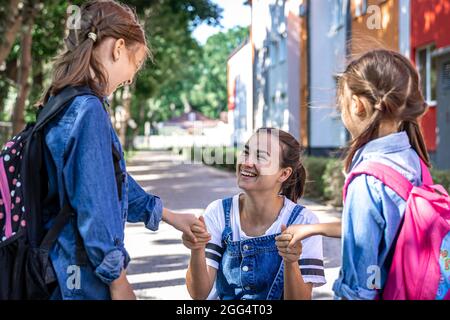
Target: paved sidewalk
[[159, 259]]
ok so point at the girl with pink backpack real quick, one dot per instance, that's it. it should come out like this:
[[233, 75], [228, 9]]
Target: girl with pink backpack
[[395, 222]]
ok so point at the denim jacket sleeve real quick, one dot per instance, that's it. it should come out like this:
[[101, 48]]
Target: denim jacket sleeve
[[142, 206], [89, 181], [362, 228]]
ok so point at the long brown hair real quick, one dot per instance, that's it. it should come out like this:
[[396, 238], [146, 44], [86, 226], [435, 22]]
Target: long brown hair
[[290, 156], [389, 84], [73, 67]]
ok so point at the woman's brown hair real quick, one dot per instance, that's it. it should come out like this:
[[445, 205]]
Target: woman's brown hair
[[389, 83], [290, 156], [79, 64]]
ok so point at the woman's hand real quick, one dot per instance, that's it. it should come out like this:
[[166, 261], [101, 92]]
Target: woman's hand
[[120, 289], [200, 233], [290, 251]]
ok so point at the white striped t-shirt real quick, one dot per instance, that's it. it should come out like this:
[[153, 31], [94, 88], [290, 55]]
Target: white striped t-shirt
[[311, 259]]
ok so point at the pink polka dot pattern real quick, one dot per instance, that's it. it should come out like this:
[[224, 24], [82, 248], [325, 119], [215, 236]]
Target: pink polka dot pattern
[[15, 218], [12, 169], [1, 215], [23, 223], [18, 200]]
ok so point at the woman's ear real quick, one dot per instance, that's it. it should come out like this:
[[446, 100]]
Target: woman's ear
[[285, 174], [118, 47], [358, 106]]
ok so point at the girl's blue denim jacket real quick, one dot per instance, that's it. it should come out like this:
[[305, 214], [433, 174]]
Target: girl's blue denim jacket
[[371, 217], [79, 162]]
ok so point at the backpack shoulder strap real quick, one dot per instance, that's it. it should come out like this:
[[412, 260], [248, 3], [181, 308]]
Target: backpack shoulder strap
[[389, 176], [426, 175], [51, 109]]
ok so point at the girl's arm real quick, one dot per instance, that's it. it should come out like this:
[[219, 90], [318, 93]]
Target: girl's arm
[[181, 222], [147, 208], [120, 289], [303, 231]]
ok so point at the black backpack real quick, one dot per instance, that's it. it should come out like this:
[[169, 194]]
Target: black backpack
[[26, 271]]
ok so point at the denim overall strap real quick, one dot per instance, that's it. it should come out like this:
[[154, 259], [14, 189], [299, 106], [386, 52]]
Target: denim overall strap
[[227, 234], [276, 291]]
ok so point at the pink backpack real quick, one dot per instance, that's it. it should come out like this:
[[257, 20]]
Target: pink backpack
[[415, 271]]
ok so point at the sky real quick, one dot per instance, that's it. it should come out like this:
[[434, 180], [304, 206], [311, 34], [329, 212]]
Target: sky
[[235, 13]]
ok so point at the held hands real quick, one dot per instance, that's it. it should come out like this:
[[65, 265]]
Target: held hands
[[289, 248], [200, 235]]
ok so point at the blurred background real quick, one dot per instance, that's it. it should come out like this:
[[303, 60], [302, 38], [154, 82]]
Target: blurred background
[[221, 70]]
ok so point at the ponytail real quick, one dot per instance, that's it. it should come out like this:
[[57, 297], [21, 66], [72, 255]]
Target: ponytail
[[294, 187], [416, 140]]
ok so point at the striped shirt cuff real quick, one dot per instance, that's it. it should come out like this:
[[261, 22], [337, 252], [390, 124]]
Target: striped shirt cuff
[[213, 254]]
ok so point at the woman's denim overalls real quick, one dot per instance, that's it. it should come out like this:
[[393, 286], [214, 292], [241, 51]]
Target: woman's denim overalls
[[250, 269]]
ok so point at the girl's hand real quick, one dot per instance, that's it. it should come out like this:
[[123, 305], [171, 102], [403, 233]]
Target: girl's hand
[[290, 253], [181, 222], [200, 233], [120, 289], [299, 232]]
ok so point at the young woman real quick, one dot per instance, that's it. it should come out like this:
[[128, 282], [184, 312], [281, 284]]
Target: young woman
[[104, 53], [245, 256], [381, 102]]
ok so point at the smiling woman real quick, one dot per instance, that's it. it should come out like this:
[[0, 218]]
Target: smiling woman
[[247, 256]]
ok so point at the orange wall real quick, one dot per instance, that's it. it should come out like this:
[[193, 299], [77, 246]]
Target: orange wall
[[428, 125], [364, 39]]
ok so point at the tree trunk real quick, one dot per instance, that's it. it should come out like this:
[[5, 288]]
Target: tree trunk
[[24, 69], [126, 101], [12, 27]]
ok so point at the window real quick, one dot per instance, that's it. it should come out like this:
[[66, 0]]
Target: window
[[283, 49], [427, 66], [338, 16], [360, 7]]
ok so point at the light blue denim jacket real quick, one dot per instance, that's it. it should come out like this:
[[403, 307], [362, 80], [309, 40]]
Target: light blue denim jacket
[[371, 217], [79, 161]]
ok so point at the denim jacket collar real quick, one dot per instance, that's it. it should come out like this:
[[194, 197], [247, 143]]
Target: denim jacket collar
[[394, 142]]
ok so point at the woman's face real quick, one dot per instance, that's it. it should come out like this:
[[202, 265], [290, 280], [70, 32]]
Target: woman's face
[[120, 62], [258, 166]]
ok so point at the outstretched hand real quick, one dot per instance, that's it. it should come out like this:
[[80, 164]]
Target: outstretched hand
[[288, 247]]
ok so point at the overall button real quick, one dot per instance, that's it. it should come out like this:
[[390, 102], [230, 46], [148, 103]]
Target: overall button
[[245, 247], [247, 288], [245, 268]]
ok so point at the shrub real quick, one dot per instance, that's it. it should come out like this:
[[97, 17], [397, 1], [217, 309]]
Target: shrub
[[315, 168], [334, 180]]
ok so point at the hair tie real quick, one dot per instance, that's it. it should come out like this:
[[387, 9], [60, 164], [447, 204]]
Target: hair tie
[[93, 36], [379, 106]]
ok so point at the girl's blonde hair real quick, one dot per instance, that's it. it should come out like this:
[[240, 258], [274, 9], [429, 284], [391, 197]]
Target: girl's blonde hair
[[390, 84]]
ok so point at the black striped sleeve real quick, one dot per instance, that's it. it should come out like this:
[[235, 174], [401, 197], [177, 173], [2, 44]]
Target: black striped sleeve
[[312, 272], [212, 256], [215, 248], [310, 262]]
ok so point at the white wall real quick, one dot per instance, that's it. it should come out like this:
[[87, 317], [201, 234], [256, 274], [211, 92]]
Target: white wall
[[327, 57], [240, 70], [405, 27]]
